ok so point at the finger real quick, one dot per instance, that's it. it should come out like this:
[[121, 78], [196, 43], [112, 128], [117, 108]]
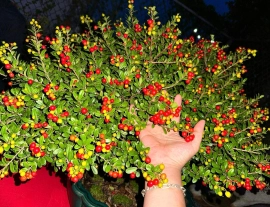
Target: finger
[[198, 132], [178, 100]]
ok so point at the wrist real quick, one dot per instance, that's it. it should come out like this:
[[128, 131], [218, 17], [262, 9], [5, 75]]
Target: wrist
[[173, 176]]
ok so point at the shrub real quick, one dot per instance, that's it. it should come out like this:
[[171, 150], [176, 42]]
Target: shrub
[[70, 104]]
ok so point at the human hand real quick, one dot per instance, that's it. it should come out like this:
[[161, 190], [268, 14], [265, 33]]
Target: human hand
[[171, 149]]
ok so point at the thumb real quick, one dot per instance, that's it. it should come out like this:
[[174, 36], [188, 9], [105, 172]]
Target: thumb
[[198, 132]]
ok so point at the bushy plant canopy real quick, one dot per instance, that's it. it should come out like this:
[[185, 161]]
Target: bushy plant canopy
[[70, 105]]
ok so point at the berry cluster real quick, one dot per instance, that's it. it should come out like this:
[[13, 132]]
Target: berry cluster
[[74, 172], [106, 107], [125, 127], [37, 151], [116, 60], [26, 175], [49, 90], [137, 28], [15, 102], [264, 167], [152, 90], [115, 174]]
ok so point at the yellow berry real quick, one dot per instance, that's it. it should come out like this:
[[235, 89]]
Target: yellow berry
[[228, 194]]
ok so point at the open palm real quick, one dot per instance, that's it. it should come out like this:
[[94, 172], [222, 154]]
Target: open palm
[[170, 148]]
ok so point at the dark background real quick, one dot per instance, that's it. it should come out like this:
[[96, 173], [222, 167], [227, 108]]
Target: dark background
[[237, 23]]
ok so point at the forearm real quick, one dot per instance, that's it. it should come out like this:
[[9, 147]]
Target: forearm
[[172, 197]]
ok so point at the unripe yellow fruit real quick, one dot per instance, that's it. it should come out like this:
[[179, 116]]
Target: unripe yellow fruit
[[228, 194]]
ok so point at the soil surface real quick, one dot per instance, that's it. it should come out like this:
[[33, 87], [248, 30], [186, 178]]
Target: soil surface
[[115, 192], [125, 192]]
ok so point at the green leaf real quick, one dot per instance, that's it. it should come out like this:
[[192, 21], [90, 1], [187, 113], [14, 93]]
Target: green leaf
[[107, 168], [4, 134], [78, 129], [57, 151], [231, 172], [207, 172], [81, 95], [35, 113], [131, 170], [12, 167], [94, 170]]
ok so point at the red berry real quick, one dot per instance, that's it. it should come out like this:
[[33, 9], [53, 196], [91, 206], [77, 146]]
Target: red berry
[[98, 148], [52, 108], [132, 175], [150, 183], [36, 150], [30, 82], [156, 181], [115, 174], [147, 160], [121, 126], [7, 66], [84, 110]]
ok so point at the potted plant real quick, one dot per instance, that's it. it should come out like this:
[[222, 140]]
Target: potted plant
[[82, 100]]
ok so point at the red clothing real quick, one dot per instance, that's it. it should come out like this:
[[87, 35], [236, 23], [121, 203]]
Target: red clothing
[[45, 190]]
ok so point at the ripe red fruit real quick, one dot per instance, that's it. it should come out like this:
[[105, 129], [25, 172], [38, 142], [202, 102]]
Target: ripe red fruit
[[120, 175], [45, 135], [98, 71], [47, 38], [36, 150], [150, 21], [80, 175], [11, 75], [5, 99], [75, 179], [52, 107], [186, 102], [156, 181], [30, 82], [137, 75], [103, 80], [7, 66], [24, 126], [23, 178], [111, 173], [130, 128], [33, 173], [150, 183], [115, 174], [147, 159], [55, 119], [98, 148], [70, 164], [32, 146], [39, 35], [132, 175], [121, 126], [84, 110]]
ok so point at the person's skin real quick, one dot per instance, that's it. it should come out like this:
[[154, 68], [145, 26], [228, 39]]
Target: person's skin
[[174, 152]]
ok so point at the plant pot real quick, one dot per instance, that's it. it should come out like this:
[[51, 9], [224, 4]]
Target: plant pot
[[80, 197]]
